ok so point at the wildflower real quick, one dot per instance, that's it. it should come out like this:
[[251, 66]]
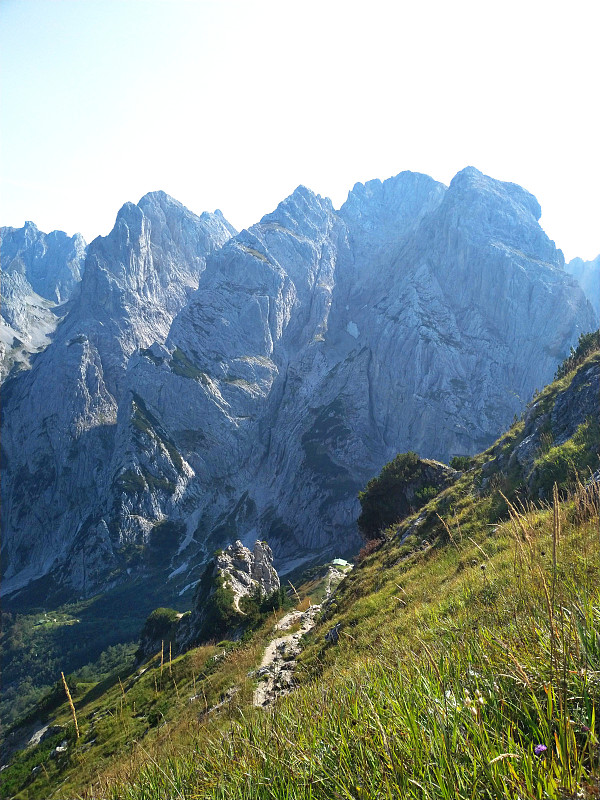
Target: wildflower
[[539, 749]]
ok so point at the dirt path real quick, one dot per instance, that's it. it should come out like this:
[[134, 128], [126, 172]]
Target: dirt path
[[276, 671]]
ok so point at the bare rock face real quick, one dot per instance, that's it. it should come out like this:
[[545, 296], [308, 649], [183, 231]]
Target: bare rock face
[[59, 418], [39, 272], [208, 387], [588, 275], [234, 574], [52, 263], [244, 571]]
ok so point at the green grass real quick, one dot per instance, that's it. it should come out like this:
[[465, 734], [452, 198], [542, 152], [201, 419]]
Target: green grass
[[182, 366], [446, 679]]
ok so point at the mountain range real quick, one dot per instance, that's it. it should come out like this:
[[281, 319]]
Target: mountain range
[[203, 385]]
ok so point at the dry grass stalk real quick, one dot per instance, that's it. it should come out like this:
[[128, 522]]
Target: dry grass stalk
[[448, 531], [297, 596], [71, 706]]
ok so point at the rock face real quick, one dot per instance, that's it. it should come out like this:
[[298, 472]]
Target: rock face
[[317, 345], [244, 571], [235, 573], [588, 275], [39, 272], [59, 419]]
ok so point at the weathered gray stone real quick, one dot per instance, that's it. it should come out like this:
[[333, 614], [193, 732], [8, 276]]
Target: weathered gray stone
[[59, 419], [242, 571]]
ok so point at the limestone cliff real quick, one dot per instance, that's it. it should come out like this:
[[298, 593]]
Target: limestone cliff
[[59, 419]]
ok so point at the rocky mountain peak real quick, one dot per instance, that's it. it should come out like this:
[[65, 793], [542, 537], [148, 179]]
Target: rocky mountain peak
[[471, 179], [39, 271], [379, 212], [392, 194], [303, 212], [487, 209], [52, 263], [587, 273]]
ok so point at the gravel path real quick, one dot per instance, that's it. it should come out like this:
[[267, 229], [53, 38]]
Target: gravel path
[[276, 671]]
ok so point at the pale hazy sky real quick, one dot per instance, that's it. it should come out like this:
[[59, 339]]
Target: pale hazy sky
[[231, 104]]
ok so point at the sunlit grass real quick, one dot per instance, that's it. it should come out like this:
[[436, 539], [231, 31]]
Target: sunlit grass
[[450, 681]]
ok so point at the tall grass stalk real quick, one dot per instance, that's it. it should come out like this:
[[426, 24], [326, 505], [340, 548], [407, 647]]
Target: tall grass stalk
[[71, 705]]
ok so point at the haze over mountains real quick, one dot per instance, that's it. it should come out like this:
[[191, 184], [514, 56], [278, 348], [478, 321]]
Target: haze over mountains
[[206, 386]]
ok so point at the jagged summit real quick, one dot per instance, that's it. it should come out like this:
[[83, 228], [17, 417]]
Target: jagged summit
[[52, 263], [380, 213], [588, 275], [472, 178], [486, 209], [302, 209], [39, 271], [390, 191]]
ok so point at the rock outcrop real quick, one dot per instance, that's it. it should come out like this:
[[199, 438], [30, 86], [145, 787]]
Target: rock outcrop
[[317, 345], [551, 420], [404, 485], [234, 574], [246, 571]]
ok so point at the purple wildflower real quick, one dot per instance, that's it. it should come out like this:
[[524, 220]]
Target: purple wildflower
[[539, 749]]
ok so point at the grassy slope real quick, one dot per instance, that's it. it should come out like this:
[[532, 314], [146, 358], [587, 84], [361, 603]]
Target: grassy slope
[[467, 643]]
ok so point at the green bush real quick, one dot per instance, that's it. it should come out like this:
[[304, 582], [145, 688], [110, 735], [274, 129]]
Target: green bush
[[384, 499], [159, 623], [461, 463], [588, 342]]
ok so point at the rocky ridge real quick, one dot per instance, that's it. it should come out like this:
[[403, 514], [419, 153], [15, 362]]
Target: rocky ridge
[[59, 418], [245, 571], [234, 574], [317, 345], [39, 273]]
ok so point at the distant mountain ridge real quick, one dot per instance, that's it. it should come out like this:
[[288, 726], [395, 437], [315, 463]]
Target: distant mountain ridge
[[167, 419], [39, 272], [588, 275]]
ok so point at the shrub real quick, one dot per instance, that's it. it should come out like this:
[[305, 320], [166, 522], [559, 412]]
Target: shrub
[[402, 487], [159, 623], [461, 463], [588, 342]]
